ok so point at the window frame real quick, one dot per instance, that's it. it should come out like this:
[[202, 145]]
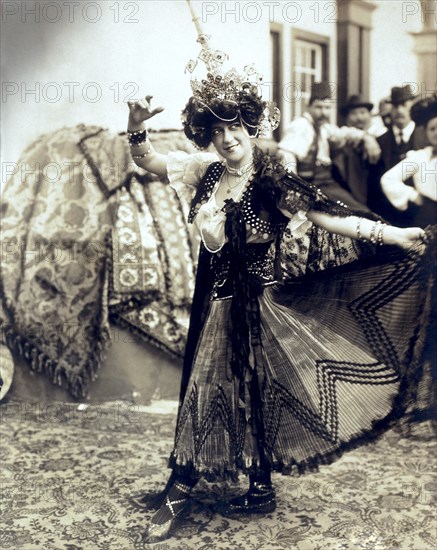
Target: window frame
[[323, 43], [277, 72]]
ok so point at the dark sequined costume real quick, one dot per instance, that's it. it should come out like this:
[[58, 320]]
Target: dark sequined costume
[[301, 369]]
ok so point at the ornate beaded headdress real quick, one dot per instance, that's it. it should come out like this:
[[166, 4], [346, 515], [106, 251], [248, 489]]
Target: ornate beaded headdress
[[230, 86]]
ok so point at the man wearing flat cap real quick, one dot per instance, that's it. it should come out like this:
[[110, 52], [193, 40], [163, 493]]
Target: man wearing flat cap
[[310, 139], [401, 137]]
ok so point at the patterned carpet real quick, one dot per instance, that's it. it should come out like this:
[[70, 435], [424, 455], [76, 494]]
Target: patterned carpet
[[67, 474]]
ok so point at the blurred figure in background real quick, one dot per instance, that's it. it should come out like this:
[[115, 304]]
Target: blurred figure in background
[[358, 113], [385, 113], [310, 141], [401, 137], [350, 166], [419, 201]]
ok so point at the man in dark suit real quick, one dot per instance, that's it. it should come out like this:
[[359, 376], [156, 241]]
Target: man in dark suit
[[401, 137]]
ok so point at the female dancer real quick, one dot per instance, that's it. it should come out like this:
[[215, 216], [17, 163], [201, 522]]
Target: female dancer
[[278, 377]]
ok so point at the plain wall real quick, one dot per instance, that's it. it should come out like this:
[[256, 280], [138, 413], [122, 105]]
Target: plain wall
[[110, 51], [392, 61]]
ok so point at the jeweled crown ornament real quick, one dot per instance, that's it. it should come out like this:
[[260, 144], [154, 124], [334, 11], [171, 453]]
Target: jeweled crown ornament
[[230, 86]]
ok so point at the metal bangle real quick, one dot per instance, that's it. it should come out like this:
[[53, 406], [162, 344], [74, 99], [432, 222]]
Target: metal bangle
[[373, 231], [359, 236], [380, 237]]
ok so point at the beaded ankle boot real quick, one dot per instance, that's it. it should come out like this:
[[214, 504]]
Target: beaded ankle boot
[[259, 499], [153, 500], [162, 523]]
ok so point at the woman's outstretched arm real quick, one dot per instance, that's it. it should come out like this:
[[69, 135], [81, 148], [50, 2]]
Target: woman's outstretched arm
[[143, 154], [362, 228]]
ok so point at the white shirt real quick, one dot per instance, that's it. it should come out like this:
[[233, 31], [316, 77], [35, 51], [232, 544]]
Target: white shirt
[[407, 132], [420, 165], [300, 136]]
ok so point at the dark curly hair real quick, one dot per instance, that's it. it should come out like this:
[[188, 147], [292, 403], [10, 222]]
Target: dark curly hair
[[197, 118], [424, 110]]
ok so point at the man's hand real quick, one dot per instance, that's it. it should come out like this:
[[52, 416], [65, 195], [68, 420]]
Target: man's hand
[[372, 150]]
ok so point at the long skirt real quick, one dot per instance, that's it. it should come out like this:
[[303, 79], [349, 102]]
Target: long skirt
[[341, 358]]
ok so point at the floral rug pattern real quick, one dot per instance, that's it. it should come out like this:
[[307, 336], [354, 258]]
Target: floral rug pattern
[[68, 472]]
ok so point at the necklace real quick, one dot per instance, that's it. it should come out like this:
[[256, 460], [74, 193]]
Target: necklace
[[245, 180], [239, 171], [244, 173]]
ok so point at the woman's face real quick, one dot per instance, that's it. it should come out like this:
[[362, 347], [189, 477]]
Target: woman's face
[[232, 142], [431, 131]]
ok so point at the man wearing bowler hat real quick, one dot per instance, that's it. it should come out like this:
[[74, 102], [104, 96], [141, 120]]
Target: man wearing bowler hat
[[401, 137], [310, 139], [358, 113]]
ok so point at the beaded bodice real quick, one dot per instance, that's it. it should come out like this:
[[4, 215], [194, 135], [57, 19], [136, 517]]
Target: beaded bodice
[[262, 228]]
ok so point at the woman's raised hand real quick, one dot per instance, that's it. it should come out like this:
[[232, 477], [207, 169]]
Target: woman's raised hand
[[141, 110]]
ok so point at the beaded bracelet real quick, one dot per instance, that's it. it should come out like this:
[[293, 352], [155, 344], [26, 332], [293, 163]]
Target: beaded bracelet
[[380, 236], [144, 155], [137, 138], [137, 132], [359, 236], [373, 231]]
